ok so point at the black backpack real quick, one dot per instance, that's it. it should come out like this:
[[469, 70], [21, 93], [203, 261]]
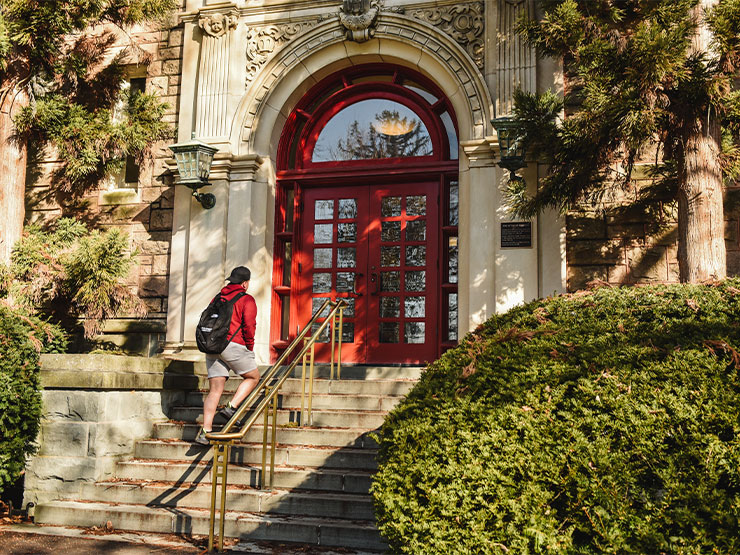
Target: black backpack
[[212, 332]]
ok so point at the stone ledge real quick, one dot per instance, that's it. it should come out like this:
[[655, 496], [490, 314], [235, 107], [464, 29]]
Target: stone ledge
[[102, 371], [121, 325]]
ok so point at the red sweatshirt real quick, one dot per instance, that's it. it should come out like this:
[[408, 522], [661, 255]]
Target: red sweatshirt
[[245, 313]]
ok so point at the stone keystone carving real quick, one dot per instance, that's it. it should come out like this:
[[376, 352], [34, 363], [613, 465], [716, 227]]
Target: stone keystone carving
[[359, 17], [218, 24], [463, 22]]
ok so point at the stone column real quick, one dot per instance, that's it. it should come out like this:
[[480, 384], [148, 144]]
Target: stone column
[[477, 233], [249, 236], [517, 268], [183, 202]]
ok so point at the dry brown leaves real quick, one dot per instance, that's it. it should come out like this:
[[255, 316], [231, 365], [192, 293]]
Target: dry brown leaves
[[716, 345]]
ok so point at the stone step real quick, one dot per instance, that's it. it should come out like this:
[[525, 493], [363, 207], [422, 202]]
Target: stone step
[[286, 477], [193, 376], [366, 372], [322, 418], [334, 401], [251, 453], [238, 499], [342, 387], [289, 435], [247, 526]]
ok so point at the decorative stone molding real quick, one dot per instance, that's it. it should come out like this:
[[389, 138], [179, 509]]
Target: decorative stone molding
[[358, 17], [463, 22], [262, 41], [218, 24], [481, 153], [393, 26]]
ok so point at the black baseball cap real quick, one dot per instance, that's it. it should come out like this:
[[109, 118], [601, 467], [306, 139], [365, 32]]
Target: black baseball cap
[[239, 274]]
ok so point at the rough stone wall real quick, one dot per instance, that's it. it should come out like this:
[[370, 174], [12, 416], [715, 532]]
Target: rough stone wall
[[95, 409], [146, 214], [619, 243]]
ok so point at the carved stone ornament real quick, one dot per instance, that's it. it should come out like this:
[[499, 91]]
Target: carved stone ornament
[[262, 41], [463, 22], [359, 17], [218, 24]]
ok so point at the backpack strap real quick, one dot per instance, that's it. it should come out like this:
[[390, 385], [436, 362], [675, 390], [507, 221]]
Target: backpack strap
[[241, 324]]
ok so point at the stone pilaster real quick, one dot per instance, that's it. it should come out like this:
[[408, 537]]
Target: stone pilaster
[[213, 83], [514, 62]]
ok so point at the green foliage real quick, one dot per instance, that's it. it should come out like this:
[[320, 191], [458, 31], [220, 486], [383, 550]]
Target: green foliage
[[632, 81], [49, 48], [21, 340], [596, 423], [70, 271]]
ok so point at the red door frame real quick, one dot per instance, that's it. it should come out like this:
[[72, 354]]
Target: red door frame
[[297, 173]]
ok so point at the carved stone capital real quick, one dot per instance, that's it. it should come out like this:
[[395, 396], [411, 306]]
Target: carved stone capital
[[463, 22], [218, 24], [359, 17]]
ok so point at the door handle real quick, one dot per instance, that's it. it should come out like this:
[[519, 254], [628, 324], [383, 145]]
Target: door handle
[[354, 285], [374, 279]]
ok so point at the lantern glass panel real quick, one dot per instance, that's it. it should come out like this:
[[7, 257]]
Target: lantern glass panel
[[204, 164]]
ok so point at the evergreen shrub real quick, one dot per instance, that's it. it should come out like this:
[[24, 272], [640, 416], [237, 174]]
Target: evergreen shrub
[[599, 422], [22, 338], [66, 271]]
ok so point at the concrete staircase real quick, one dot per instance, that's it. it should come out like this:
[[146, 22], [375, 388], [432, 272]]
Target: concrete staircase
[[322, 473]]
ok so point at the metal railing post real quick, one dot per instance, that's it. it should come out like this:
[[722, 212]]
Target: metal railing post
[[274, 435], [219, 469], [224, 472], [264, 444], [303, 385], [333, 330], [310, 385], [339, 347]]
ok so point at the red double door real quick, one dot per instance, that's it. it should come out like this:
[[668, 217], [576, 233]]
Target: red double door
[[375, 247]]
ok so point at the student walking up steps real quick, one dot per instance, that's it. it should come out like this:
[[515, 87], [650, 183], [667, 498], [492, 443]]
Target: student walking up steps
[[238, 354]]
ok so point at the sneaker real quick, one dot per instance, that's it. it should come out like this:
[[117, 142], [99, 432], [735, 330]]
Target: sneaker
[[226, 413], [201, 438]]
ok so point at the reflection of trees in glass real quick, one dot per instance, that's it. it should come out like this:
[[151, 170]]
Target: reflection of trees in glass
[[389, 136]]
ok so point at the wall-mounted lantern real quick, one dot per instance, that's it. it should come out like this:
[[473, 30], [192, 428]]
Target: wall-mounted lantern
[[194, 159], [511, 145]]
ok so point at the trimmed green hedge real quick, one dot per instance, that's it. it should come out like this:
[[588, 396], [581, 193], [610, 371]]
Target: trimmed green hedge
[[599, 422], [21, 340]]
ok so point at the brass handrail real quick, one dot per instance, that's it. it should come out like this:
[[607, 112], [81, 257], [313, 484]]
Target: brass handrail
[[224, 439]]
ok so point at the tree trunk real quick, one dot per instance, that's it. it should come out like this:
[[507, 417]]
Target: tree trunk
[[12, 176], [701, 222]]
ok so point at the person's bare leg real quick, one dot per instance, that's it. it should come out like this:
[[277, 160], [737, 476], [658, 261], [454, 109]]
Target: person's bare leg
[[249, 382], [215, 389]]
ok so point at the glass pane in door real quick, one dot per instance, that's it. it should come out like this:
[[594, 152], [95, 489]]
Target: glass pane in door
[[334, 257], [400, 250]]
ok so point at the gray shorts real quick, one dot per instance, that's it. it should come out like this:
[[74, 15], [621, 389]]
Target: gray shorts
[[235, 356]]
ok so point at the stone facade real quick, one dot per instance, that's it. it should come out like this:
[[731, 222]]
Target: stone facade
[[95, 408], [232, 72], [144, 212], [620, 242]]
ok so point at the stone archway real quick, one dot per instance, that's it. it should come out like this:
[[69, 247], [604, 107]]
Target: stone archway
[[323, 50]]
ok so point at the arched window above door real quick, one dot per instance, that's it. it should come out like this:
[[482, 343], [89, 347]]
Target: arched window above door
[[369, 115], [371, 129]]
